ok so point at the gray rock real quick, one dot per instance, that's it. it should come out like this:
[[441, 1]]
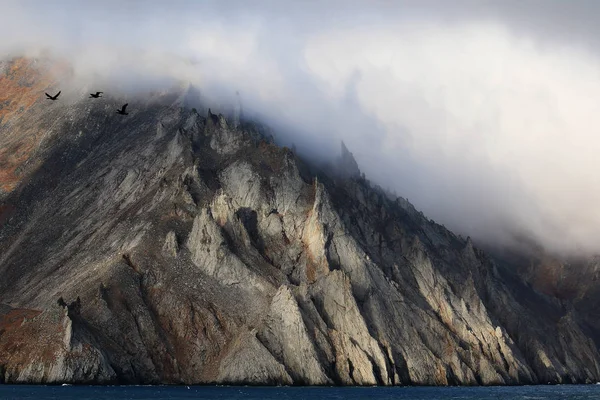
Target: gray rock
[[171, 247], [203, 253], [346, 166]]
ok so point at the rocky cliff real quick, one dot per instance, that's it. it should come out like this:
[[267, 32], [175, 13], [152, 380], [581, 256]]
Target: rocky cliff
[[172, 247]]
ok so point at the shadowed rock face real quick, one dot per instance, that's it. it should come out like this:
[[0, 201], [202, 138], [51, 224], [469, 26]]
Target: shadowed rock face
[[203, 253]]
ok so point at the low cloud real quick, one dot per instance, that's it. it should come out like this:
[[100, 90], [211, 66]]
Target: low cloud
[[482, 114]]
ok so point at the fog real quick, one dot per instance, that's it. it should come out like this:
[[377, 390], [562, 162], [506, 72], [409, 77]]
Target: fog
[[483, 114]]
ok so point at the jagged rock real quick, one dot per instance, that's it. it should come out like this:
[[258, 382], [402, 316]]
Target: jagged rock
[[224, 139], [346, 166], [49, 347], [285, 334], [203, 253], [250, 362], [360, 359]]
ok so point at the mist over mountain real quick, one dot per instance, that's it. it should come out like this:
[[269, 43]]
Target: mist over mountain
[[375, 193], [481, 113], [178, 245]]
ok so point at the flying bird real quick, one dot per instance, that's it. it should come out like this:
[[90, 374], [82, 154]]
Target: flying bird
[[97, 95], [53, 97], [122, 110]]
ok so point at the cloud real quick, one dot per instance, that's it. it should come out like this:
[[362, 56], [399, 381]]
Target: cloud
[[483, 114], [498, 132]]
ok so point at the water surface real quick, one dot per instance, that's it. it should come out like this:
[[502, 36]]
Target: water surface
[[574, 392]]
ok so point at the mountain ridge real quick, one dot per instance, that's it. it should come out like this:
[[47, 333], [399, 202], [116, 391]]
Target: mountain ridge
[[173, 247]]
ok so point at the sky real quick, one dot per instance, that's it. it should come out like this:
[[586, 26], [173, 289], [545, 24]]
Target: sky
[[484, 114]]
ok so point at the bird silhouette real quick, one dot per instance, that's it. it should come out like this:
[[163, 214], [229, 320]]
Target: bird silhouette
[[53, 97], [122, 110], [95, 96]]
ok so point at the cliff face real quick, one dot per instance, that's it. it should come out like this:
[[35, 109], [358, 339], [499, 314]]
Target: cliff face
[[168, 246]]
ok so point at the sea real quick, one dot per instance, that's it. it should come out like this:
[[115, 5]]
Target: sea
[[579, 392]]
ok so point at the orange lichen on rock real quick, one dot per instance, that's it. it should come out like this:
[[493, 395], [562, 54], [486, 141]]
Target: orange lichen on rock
[[19, 326], [22, 85], [14, 318]]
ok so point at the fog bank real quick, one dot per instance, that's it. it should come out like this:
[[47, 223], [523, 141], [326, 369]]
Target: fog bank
[[483, 114]]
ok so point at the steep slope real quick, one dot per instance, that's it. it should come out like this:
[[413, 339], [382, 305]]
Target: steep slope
[[168, 246], [22, 81], [571, 281]]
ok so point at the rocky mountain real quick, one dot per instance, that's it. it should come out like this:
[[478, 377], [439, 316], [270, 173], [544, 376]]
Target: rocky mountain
[[171, 246], [346, 166]]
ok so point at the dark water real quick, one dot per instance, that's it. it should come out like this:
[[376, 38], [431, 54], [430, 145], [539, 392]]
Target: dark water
[[297, 393]]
